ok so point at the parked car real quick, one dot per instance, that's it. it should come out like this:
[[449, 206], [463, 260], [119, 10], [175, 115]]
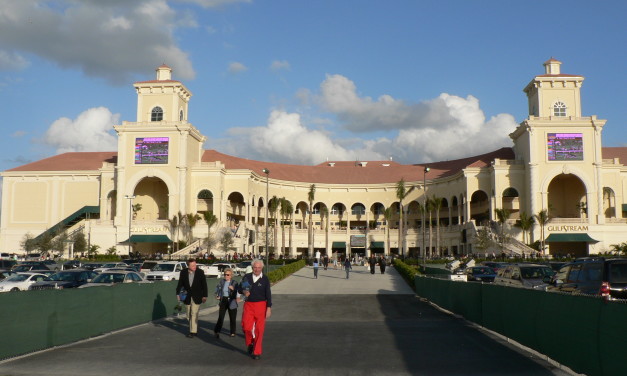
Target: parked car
[[52, 264], [496, 266], [147, 266], [65, 279], [28, 266], [226, 265], [110, 265], [166, 271], [480, 274], [72, 264], [243, 266], [110, 278], [92, 265], [593, 276], [531, 276], [6, 265], [20, 281]]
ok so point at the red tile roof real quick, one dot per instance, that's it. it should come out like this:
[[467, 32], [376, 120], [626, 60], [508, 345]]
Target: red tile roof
[[78, 161], [615, 152]]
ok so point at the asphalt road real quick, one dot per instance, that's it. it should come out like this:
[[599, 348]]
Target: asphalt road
[[367, 325]]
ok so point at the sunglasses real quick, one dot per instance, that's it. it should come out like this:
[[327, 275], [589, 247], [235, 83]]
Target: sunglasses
[[227, 275]]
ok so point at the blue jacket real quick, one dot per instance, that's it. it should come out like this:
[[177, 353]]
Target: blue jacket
[[232, 293]]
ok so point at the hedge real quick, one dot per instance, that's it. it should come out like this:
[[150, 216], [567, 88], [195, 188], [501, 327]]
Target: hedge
[[407, 272], [283, 272]]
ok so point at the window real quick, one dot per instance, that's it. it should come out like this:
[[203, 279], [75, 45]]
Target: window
[[181, 115], [156, 114], [358, 210], [559, 109]]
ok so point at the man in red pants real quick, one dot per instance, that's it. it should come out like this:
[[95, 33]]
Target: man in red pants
[[256, 288]]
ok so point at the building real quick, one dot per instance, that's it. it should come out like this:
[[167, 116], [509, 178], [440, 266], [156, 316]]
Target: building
[[128, 198]]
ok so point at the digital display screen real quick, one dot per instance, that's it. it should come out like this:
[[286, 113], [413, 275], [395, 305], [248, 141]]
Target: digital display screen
[[358, 241], [151, 150], [565, 146]]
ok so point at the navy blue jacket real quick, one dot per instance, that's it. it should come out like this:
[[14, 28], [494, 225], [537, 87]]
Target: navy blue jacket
[[259, 291]]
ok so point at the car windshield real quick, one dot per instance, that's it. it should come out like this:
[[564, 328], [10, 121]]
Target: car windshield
[[148, 265], [22, 268], [109, 278], [618, 272], [17, 278], [535, 272], [163, 268], [65, 277], [109, 265]]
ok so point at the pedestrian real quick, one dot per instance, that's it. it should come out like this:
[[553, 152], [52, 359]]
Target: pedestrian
[[347, 266], [325, 261], [315, 268], [257, 308], [372, 262], [382, 265], [194, 282], [318, 256], [226, 293]]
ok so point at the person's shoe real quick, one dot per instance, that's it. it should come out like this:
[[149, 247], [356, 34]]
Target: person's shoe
[[216, 334], [256, 357], [191, 335], [250, 349], [232, 334]]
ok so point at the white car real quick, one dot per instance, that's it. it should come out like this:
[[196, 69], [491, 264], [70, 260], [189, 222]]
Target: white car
[[20, 281], [210, 270], [166, 271], [225, 265]]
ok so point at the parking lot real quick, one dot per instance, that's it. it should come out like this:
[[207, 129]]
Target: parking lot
[[367, 325]]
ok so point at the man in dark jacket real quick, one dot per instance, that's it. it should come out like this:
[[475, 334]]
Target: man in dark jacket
[[256, 288], [194, 282]]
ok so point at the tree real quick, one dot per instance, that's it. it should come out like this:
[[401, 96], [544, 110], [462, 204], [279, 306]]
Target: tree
[[387, 215], [174, 227], [502, 215], [28, 243], [111, 251], [226, 243], [210, 219], [483, 240], [311, 196], [286, 214], [45, 243], [543, 218], [80, 243], [59, 242], [620, 248], [190, 222], [525, 223], [401, 193], [273, 208], [136, 209], [93, 249]]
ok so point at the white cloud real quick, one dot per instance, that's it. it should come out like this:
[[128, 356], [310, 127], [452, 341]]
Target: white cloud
[[113, 39], [90, 131], [236, 67], [214, 3], [278, 65], [18, 134], [12, 61]]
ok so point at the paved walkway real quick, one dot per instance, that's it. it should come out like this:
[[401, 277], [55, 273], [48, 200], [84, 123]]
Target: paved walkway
[[367, 325]]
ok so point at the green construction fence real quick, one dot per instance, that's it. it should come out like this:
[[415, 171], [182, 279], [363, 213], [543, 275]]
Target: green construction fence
[[586, 334]]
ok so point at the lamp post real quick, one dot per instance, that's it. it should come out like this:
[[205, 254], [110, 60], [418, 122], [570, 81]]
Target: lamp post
[[130, 220], [267, 172], [424, 216]]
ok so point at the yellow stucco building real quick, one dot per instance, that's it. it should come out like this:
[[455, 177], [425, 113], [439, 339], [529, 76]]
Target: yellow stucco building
[[557, 164]]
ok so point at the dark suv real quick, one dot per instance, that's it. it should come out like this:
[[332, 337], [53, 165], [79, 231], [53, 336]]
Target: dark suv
[[593, 276]]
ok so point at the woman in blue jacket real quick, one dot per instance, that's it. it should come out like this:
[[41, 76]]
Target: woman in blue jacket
[[226, 293]]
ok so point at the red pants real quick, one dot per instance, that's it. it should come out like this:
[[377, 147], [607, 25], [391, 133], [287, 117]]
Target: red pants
[[254, 315]]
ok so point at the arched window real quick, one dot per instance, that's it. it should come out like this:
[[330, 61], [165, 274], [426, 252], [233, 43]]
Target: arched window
[[559, 109], [156, 114]]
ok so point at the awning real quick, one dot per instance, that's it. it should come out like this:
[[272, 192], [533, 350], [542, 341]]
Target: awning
[[339, 245], [149, 239], [624, 207], [377, 245], [570, 238]]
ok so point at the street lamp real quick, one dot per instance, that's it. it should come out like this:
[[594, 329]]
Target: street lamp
[[130, 220], [424, 216], [267, 172]]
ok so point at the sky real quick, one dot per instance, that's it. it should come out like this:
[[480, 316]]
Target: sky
[[301, 81]]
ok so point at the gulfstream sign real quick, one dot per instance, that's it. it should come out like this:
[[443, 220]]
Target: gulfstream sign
[[567, 228]]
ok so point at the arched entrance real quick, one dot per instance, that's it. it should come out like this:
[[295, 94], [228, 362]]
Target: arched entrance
[[567, 197], [149, 206]]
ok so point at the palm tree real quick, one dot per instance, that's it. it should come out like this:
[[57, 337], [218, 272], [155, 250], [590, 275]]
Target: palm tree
[[437, 205], [525, 223], [502, 215], [272, 208], [190, 221], [543, 218], [210, 220], [174, 226], [430, 207], [311, 196], [401, 193], [286, 212], [387, 215]]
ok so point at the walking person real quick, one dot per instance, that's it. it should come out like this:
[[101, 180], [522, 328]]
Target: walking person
[[347, 266], [226, 293], [194, 282], [257, 308], [372, 262], [315, 268], [382, 264]]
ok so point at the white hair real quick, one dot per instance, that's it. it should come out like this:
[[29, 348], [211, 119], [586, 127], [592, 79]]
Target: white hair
[[257, 261]]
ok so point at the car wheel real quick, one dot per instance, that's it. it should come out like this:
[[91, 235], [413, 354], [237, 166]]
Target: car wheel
[[15, 289]]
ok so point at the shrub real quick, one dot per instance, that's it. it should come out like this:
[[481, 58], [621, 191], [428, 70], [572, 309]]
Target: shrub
[[408, 272], [279, 274]]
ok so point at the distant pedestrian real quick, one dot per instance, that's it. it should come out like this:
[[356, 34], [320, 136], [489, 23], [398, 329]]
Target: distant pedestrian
[[226, 293], [372, 262], [317, 256], [382, 265], [315, 268], [257, 308], [325, 261], [347, 266], [194, 282]]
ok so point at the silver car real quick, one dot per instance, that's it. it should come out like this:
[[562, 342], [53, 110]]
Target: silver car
[[530, 276], [110, 278]]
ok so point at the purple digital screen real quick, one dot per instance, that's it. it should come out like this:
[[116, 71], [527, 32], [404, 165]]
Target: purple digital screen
[[151, 150], [565, 146]]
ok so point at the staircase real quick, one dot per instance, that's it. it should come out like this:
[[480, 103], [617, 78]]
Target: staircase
[[79, 215], [187, 250]]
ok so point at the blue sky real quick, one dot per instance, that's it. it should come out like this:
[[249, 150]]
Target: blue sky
[[301, 81]]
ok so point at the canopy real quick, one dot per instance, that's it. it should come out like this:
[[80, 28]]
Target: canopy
[[570, 238], [376, 245], [338, 245], [149, 239]]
